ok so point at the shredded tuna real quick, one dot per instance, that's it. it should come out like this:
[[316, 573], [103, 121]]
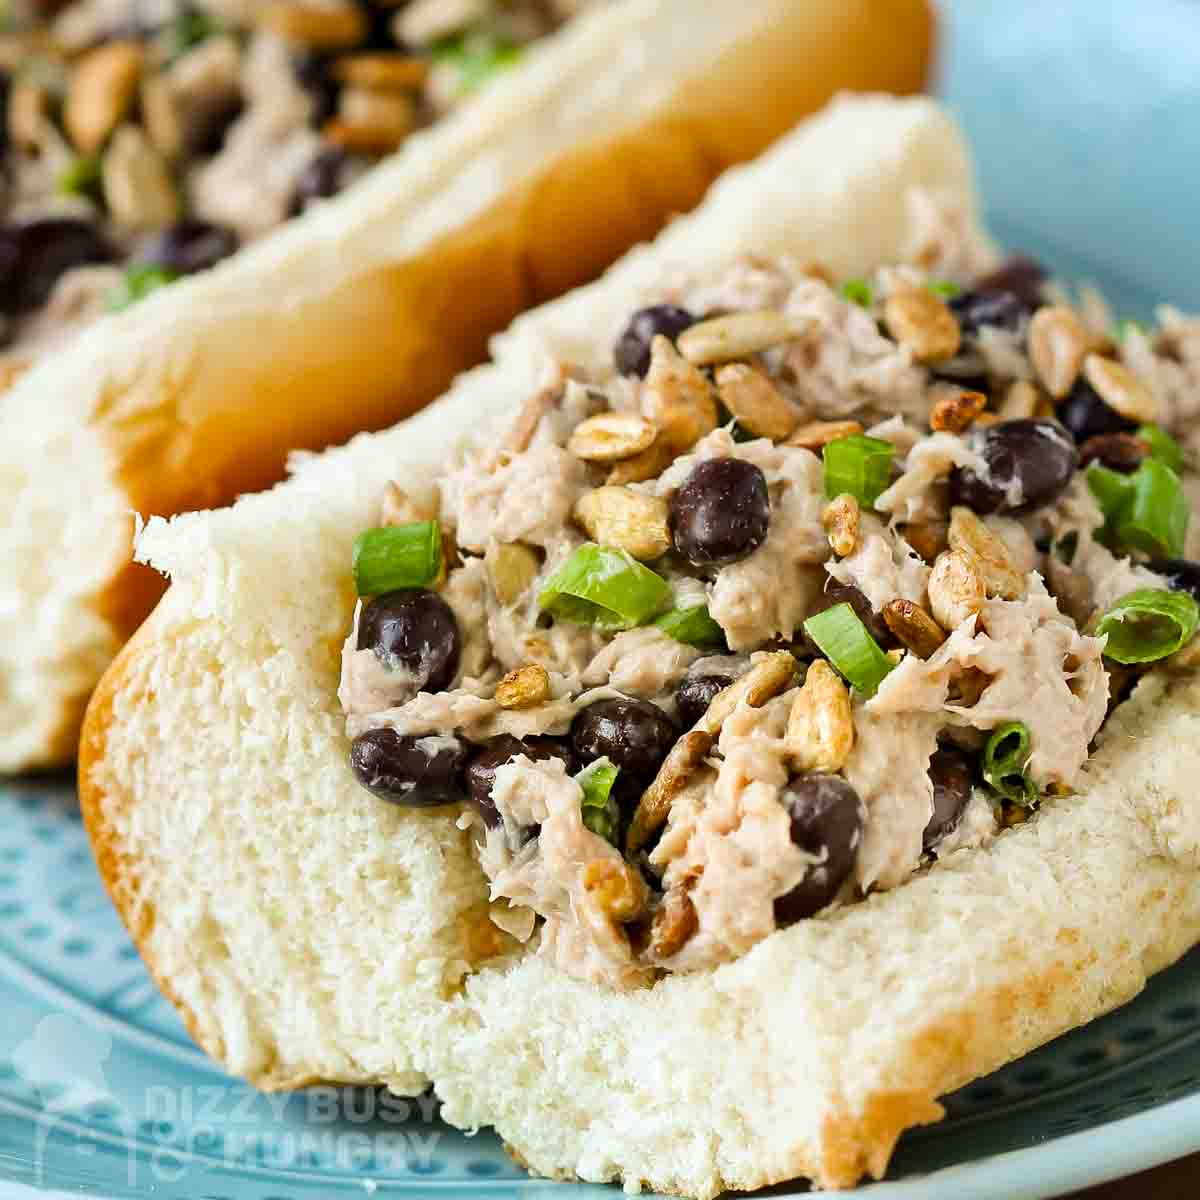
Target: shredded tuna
[[466, 593], [547, 875], [748, 284], [889, 768], [525, 497], [846, 364], [477, 716], [641, 662], [915, 496], [1043, 672], [884, 567], [976, 827]]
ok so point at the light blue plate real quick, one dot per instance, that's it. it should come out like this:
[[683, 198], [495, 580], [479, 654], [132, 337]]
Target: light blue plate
[[1086, 117]]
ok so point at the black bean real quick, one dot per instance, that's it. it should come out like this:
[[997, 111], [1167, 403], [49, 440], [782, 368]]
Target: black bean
[[827, 819], [1087, 416], [1123, 452], [414, 631], [975, 310], [1019, 275], [189, 246], [950, 772], [34, 255], [634, 735], [481, 770], [313, 72], [418, 772], [632, 351], [209, 120], [1029, 463], [321, 179], [1182, 574], [721, 512], [695, 694]]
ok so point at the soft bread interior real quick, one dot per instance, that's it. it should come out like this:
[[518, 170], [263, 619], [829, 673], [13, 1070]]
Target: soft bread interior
[[357, 313], [308, 931]]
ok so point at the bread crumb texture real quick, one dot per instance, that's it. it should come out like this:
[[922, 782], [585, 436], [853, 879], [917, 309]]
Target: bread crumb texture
[[309, 931]]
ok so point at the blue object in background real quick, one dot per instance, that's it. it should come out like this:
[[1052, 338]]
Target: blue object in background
[[1085, 120]]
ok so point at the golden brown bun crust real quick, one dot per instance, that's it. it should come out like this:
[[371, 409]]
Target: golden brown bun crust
[[380, 344]]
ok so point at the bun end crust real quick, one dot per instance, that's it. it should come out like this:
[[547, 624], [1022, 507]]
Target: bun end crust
[[357, 315], [309, 932]]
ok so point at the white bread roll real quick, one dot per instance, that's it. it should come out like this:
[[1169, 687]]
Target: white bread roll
[[308, 931], [365, 309]]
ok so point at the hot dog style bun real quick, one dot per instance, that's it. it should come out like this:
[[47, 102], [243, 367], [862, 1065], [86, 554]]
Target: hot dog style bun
[[308, 931], [363, 310]]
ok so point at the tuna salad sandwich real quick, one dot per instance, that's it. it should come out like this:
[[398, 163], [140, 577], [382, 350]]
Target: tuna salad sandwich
[[154, 367], [650, 745]]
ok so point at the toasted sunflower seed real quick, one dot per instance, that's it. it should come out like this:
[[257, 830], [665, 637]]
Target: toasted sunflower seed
[[511, 567], [611, 436], [674, 924], [617, 888], [523, 687], [103, 86], [756, 403], [1058, 343], [816, 435], [927, 538], [1121, 389], [316, 26], [655, 805], [991, 558], [619, 516], [921, 321], [842, 520], [677, 398], [913, 627], [955, 408], [820, 728], [956, 589], [736, 335]]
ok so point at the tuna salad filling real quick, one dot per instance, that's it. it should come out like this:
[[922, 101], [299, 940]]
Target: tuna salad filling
[[142, 141], [820, 582]]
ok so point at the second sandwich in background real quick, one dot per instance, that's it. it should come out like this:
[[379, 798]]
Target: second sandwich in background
[[365, 308]]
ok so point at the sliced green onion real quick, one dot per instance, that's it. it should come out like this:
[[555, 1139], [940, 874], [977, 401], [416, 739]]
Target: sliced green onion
[[606, 587], [1148, 624], [1145, 511], [1163, 447], [859, 465], [188, 29], [600, 812], [1110, 488], [946, 288], [476, 57], [80, 177], [858, 291], [1128, 325], [1005, 758], [1156, 515], [397, 556], [692, 626], [139, 282], [850, 648]]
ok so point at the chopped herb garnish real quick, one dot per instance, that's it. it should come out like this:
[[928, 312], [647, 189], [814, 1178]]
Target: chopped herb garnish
[[606, 587], [858, 291], [395, 557], [850, 648], [1148, 624], [138, 283], [859, 465], [1005, 758], [600, 812]]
